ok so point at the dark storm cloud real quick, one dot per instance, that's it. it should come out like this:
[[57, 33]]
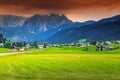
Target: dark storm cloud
[[59, 4], [77, 10]]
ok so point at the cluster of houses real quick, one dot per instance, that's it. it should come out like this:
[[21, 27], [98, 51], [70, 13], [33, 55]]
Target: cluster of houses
[[28, 46], [100, 46]]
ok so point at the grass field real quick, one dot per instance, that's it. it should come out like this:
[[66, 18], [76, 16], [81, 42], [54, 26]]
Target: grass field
[[61, 64], [4, 50]]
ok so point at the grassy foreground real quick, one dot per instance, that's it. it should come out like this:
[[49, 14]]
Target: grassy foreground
[[47, 65]]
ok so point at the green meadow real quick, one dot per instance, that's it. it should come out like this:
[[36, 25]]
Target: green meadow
[[62, 64]]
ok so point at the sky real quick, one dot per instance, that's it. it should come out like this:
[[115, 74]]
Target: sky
[[76, 10]]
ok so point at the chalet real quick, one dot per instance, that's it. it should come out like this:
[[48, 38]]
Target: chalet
[[108, 42], [81, 45], [1, 45], [13, 48], [109, 48], [40, 46]]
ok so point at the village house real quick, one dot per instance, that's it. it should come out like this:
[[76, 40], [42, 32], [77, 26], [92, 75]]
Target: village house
[[13, 48], [1, 45], [40, 46]]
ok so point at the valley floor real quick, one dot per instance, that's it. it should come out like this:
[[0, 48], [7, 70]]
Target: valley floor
[[61, 64]]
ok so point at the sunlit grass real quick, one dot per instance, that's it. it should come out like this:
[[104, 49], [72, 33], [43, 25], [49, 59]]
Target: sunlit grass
[[4, 50], [62, 64], [60, 67]]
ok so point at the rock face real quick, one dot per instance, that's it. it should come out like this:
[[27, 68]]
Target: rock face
[[45, 22], [11, 21]]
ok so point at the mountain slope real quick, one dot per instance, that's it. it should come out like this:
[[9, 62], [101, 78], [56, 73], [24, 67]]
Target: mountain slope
[[97, 32], [111, 19]]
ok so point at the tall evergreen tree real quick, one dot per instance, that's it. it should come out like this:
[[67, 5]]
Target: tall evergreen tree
[[1, 38]]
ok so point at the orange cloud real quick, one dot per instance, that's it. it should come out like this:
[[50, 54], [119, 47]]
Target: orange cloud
[[77, 10]]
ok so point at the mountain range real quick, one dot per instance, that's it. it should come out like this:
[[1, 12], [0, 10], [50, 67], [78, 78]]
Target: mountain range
[[55, 28], [36, 27]]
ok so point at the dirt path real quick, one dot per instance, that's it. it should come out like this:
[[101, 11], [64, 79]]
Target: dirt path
[[11, 53]]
